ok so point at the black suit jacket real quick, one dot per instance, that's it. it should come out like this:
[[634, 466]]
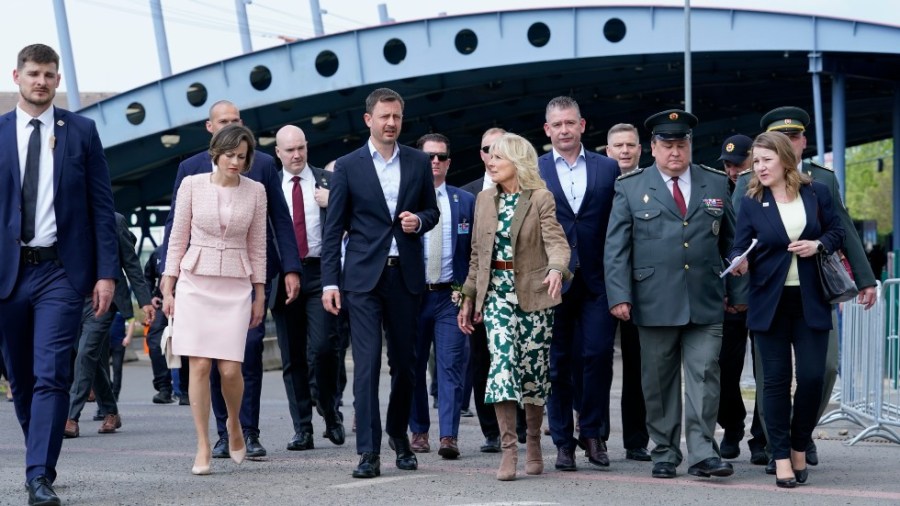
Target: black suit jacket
[[474, 187], [357, 205]]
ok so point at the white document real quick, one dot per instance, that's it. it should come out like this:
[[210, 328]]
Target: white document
[[738, 260]]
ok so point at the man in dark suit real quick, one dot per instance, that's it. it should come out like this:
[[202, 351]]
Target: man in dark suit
[[792, 121], [57, 246], [281, 255], [671, 226], [92, 359], [384, 260], [448, 247], [304, 327], [623, 145], [479, 356], [584, 333], [162, 376]]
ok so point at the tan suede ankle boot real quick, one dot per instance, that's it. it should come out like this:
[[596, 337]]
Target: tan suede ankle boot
[[506, 420], [534, 461]]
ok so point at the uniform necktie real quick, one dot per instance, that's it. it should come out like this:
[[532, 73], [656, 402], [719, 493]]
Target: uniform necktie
[[299, 218], [30, 182], [435, 249], [679, 197]]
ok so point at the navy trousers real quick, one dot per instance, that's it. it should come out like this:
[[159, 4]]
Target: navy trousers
[[581, 360], [437, 323], [162, 377], [634, 412], [39, 324], [389, 306], [252, 370]]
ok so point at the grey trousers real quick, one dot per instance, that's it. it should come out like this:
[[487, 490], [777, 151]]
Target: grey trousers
[[664, 350], [93, 345]]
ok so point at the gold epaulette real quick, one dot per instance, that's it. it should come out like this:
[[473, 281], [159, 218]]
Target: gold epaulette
[[631, 173], [820, 166], [714, 171]]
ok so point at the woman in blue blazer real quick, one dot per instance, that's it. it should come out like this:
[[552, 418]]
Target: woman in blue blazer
[[793, 219]]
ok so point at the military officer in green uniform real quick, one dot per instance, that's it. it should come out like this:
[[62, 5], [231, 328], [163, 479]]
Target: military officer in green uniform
[[792, 121], [671, 225]]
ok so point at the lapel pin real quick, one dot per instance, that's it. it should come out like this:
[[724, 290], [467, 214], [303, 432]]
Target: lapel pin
[[60, 122], [765, 204], [646, 198], [455, 197]]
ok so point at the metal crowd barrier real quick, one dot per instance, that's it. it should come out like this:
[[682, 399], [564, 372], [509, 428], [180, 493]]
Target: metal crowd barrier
[[870, 366]]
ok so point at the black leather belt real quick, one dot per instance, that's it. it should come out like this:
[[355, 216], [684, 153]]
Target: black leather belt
[[392, 261], [435, 287], [310, 260], [39, 254]]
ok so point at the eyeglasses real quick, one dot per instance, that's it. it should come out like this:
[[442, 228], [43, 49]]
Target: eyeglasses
[[485, 149], [442, 157]]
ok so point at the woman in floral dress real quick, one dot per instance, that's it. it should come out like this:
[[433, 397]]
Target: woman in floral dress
[[519, 259]]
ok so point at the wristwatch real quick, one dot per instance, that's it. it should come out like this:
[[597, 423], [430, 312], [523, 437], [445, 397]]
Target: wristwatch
[[820, 248]]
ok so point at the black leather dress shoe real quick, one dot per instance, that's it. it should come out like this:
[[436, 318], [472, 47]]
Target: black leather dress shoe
[[406, 459], [565, 459], [639, 454], [663, 470], [254, 449], [803, 475], [812, 454], [785, 483], [369, 466], [595, 451], [712, 466], [758, 457], [301, 441], [163, 397], [770, 467], [335, 432], [491, 445], [184, 400], [466, 413], [40, 492], [730, 449], [220, 450]]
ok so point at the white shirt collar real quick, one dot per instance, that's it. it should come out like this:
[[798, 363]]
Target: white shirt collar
[[557, 156], [373, 151], [46, 117], [442, 189]]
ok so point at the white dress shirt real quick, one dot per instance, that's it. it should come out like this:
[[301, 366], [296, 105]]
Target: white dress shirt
[[572, 178], [388, 172], [310, 207], [684, 184], [45, 215], [488, 182], [443, 200]]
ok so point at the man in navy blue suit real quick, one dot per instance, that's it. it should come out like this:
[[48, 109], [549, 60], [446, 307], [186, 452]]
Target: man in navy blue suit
[[382, 195], [581, 352], [57, 246], [281, 256], [447, 250]]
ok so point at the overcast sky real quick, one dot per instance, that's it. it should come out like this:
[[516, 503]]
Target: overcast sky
[[115, 50]]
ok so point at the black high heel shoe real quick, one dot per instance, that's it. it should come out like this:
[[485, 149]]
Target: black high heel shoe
[[785, 483], [802, 474]]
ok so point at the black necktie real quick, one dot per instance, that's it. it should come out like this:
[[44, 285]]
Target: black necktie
[[30, 182]]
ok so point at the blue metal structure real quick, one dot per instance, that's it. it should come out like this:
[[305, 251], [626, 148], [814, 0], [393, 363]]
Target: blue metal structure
[[463, 74]]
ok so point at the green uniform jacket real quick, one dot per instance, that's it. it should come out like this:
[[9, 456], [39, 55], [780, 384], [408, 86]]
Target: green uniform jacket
[[853, 248], [667, 267]]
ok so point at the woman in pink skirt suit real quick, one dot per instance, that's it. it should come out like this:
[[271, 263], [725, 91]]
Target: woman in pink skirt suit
[[217, 254]]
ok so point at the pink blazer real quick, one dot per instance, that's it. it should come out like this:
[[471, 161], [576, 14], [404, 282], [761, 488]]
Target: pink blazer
[[197, 243]]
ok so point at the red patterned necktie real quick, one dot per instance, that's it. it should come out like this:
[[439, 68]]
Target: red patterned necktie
[[679, 197], [299, 218]]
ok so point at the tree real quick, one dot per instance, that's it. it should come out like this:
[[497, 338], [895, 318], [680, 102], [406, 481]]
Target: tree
[[868, 190]]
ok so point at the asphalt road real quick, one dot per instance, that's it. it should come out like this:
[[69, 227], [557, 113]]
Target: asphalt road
[[148, 462]]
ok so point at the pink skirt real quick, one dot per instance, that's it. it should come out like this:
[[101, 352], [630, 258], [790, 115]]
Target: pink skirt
[[212, 316]]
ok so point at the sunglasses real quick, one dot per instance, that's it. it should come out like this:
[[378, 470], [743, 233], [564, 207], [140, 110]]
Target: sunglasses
[[442, 157], [485, 149]]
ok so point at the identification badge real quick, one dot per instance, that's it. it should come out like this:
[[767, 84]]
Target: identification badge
[[462, 229]]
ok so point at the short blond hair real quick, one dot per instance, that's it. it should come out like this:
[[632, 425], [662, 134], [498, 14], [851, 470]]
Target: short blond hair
[[523, 156]]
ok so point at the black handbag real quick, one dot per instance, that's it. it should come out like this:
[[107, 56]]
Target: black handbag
[[837, 284]]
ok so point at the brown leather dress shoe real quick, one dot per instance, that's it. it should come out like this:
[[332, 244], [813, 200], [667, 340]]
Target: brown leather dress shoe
[[110, 424], [449, 448], [419, 442], [71, 430], [595, 451]]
